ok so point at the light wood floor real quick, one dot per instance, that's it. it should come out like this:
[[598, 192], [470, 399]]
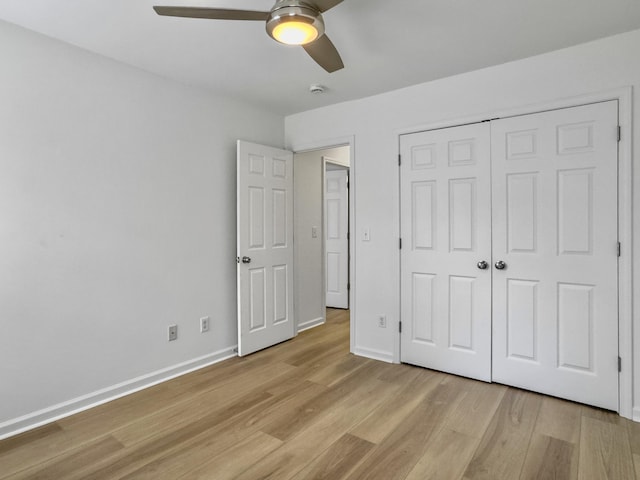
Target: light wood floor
[[307, 409]]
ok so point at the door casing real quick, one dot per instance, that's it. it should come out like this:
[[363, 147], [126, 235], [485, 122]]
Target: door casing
[[625, 218], [324, 145]]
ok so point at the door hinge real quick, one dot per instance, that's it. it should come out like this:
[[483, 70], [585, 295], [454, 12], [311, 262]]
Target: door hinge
[[400, 243], [399, 160], [619, 249], [237, 259], [619, 133], [400, 327], [619, 364]]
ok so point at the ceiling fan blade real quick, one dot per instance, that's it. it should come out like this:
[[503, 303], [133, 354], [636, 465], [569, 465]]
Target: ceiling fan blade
[[211, 13], [324, 5], [325, 54]]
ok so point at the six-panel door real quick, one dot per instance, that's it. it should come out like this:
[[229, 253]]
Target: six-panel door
[[555, 311], [553, 262], [446, 231], [265, 246], [336, 214]]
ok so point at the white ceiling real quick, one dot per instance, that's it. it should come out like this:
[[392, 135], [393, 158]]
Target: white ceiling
[[385, 44]]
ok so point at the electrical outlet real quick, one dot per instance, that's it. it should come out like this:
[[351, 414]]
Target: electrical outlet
[[204, 324], [173, 332], [382, 321]]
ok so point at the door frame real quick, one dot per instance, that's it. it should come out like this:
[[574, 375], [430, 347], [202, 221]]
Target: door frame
[[348, 141], [624, 96], [328, 160]]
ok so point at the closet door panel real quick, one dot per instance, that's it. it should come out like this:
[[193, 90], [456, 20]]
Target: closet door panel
[[555, 316], [446, 218]]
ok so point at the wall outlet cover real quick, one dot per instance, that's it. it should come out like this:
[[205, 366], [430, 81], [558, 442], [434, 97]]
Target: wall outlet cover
[[204, 324], [173, 332]]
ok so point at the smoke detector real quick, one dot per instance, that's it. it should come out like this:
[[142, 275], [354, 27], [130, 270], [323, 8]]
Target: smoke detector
[[316, 88]]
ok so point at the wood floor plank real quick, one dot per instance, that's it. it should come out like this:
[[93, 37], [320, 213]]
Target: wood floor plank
[[341, 392], [476, 408], [186, 414], [319, 435], [401, 450], [385, 419], [28, 438], [559, 419], [232, 462], [65, 466], [636, 464], [227, 399], [201, 447], [605, 453], [338, 460], [504, 445], [549, 458], [334, 372], [167, 442], [603, 415], [401, 374], [41, 444], [447, 455], [633, 431]]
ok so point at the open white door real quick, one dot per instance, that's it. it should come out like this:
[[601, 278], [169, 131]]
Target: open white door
[[265, 246], [336, 237]]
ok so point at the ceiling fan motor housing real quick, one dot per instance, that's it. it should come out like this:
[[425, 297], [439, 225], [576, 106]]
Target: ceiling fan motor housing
[[293, 10]]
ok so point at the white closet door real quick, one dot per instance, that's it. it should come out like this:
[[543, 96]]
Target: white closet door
[[555, 310], [446, 231]]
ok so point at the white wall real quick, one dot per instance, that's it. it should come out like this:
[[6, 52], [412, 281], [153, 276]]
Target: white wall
[[309, 283], [117, 218], [376, 122]]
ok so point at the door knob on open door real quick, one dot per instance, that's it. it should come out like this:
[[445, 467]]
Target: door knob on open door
[[482, 265], [500, 265], [246, 259]]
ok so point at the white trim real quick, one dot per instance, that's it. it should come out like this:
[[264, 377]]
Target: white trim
[[334, 161], [323, 145], [625, 265], [624, 96], [85, 402], [374, 354], [555, 104], [316, 322], [397, 343], [636, 414]]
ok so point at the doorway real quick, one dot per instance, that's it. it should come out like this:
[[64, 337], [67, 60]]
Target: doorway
[[312, 224]]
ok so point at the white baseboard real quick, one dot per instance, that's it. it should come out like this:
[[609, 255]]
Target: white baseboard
[[636, 414], [373, 354], [85, 402], [310, 324]]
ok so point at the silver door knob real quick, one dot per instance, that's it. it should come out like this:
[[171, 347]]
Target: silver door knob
[[482, 265], [500, 265], [246, 259]]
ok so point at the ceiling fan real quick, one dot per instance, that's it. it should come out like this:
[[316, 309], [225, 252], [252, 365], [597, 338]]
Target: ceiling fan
[[293, 22]]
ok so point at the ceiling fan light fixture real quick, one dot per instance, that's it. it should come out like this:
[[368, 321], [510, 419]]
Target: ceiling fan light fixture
[[295, 24], [295, 32]]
